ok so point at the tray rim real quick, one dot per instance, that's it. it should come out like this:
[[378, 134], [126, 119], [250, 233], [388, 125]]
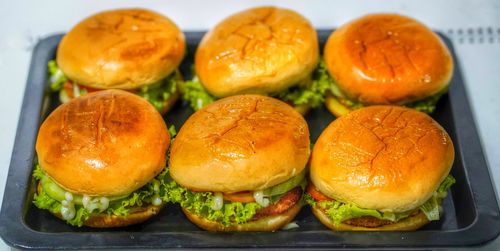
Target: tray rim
[[484, 228]]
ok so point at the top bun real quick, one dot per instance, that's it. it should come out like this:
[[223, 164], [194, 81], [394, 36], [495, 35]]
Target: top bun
[[262, 50], [123, 49], [106, 143], [387, 59], [240, 143], [387, 158]]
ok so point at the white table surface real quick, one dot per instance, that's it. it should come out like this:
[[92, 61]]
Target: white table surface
[[22, 23]]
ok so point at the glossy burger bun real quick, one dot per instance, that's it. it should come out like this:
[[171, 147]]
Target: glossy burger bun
[[103, 220], [266, 224], [387, 59], [240, 143], [122, 49], [106, 143], [262, 50], [387, 158], [408, 224]]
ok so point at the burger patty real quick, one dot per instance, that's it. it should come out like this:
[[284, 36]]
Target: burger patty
[[287, 201], [367, 221], [370, 221], [363, 221]]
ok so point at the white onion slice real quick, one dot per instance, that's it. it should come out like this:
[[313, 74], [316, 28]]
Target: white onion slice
[[259, 198], [290, 225], [64, 203], [68, 196], [56, 76], [76, 90], [85, 201], [63, 96], [199, 103], [103, 203], [91, 206], [218, 201], [68, 211], [156, 201]]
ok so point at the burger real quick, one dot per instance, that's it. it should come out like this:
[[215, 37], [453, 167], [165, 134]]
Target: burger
[[380, 168], [130, 49], [267, 50], [239, 164], [101, 160], [385, 59]]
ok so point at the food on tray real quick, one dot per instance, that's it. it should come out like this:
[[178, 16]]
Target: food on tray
[[131, 49], [266, 50], [380, 168], [386, 59], [239, 164], [102, 160]]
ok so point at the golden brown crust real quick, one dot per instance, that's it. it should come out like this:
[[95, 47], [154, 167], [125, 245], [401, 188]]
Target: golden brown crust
[[240, 143], [387, 158], [105, 143], [103, 220], [266, 224], [124, 49], [387, 59], [408, 224], [137, 215], [261, 50]]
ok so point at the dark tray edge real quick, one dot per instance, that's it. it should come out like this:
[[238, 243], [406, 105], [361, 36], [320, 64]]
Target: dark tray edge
[[485, 227]]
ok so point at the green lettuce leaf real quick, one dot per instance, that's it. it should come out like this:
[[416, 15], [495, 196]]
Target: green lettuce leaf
[[56, 76], [427, 105], [339, 212], [43, 201], [446, 184], [159, 93], [200, 203], [195, 94], [341, 97], [312, 93], [431, 208], [120, 207]]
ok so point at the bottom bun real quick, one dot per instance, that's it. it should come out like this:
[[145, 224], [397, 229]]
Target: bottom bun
[[266, 224], [408, 224], [137, 215], [335, 107]]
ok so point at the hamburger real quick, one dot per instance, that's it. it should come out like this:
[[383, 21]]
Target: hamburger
[[267, 50], [385, 59], [380, 168], [239, 164], [130, 49], [101, 160]]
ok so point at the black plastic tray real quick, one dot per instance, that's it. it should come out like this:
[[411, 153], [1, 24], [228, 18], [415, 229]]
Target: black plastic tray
[[471, 213]]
